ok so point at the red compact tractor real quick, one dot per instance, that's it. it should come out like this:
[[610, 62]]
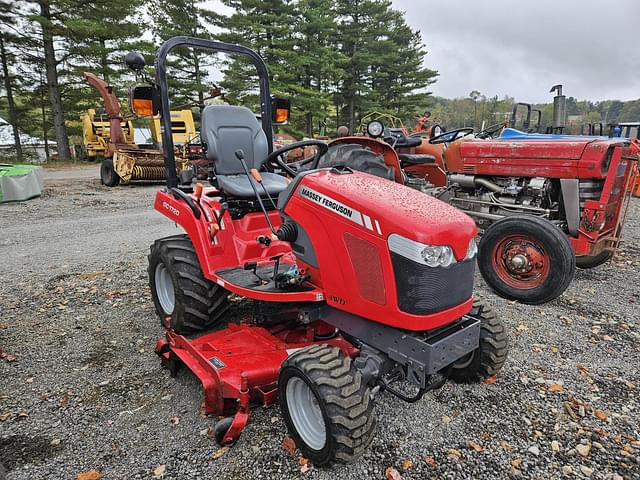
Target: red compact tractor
[[545, 203], [358, 285]]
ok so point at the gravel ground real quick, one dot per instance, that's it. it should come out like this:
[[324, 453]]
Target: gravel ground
[[81, 389]]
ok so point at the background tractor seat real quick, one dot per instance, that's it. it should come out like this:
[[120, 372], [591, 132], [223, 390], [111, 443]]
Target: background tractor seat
[[225, 129], [416, 158]]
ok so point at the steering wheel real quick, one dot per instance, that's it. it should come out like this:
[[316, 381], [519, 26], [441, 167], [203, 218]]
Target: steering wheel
[[490, 131], [450, 136], [274, 159], [398, 139]]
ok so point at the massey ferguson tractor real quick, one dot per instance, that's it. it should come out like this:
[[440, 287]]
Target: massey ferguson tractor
[[544, 203], [358, 285]]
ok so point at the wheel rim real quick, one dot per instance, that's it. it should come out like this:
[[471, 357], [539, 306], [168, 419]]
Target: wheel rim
[[521, 262], [164, 289], [306, 414]]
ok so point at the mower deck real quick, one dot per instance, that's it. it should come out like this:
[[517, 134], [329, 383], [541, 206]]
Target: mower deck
[[238, 366]]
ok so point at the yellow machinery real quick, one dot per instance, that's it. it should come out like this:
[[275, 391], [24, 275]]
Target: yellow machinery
[[95, 132], [112, 136], [183, 128]]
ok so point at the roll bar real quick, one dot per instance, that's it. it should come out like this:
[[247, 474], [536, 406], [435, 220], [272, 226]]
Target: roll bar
[[165, 110]]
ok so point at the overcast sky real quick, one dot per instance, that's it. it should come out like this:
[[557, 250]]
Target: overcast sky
[[523, 47]]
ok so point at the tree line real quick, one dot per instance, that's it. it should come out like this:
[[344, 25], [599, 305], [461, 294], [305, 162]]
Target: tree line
[[336, 60], [476, 110]]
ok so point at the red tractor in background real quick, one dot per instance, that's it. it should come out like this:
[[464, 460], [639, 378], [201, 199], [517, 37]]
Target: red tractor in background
[[358, 284], [544, 202]]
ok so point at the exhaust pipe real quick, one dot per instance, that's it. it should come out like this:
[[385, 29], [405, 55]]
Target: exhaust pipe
[[470, 181]]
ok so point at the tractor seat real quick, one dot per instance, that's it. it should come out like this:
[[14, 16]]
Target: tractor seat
[[416, 159], [227, 128], [239, 186]]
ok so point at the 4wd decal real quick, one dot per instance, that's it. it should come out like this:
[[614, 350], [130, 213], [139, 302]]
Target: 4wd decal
[[331, 204]]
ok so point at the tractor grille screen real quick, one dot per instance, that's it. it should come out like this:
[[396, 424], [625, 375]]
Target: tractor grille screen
[[423, 290], [367, 267]]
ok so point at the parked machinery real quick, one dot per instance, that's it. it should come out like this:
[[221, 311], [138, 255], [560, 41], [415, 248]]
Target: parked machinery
[[358, 285], [123, 160], [545, 203], [96, 133]]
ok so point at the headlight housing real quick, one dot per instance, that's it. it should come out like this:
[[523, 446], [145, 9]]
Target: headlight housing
[[430, 255], [375, 128]]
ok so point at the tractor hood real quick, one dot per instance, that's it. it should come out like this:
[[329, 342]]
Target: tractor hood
[[383, 207], [516, 144]]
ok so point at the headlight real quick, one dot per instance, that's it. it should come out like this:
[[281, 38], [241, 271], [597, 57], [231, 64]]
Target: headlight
[[430, 255], [375, 128], [439, 255], [472, 250]]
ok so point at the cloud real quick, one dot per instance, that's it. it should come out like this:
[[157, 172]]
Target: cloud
[[523, 47]]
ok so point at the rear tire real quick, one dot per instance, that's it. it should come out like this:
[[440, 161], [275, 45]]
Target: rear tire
[[488, 358], [526, 258], [355, 157], [326, 405], [108, 175], [180, 290], [592, 261]]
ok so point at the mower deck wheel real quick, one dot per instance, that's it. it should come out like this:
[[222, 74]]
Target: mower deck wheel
[[180, 291], [326, 405], [491, 353], [592, 261], [108, 175], [526, 258], [220, 429]]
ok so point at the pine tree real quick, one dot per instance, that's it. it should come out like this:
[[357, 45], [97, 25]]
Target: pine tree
[[318, 64], [188, 68], [7, 27], [50, 15]]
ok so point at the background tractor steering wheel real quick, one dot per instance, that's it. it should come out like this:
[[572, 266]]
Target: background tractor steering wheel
[[450, 136], [490, 131], [274, 159]]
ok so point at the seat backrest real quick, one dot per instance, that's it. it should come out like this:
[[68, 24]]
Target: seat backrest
[[225, 129]]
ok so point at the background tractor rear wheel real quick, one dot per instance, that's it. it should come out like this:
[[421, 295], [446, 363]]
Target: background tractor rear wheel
[[490, 355], [591, 261], [326, 405], [108, 175], [355, 157], [180, 290], [526, 258]]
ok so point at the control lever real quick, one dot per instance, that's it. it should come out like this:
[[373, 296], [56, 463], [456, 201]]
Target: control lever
[[240, 156]]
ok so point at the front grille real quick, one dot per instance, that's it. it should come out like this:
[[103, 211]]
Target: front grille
[[365, 260], [422, 290], [590, 190]]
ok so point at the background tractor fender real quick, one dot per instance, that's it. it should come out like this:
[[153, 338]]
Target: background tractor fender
[[379, 147]]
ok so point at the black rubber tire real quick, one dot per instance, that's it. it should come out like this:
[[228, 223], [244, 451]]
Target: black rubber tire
[[343, 397], [489, 357], [220, 429], [358, 158], [592, 261], [199, 303], [554, 242], [108, 175]]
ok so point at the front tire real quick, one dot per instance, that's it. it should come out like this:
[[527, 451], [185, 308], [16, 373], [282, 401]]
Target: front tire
[[489, 357], [179, 289], [326, 405], [108, 175], [592, 261], [526, 258]]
